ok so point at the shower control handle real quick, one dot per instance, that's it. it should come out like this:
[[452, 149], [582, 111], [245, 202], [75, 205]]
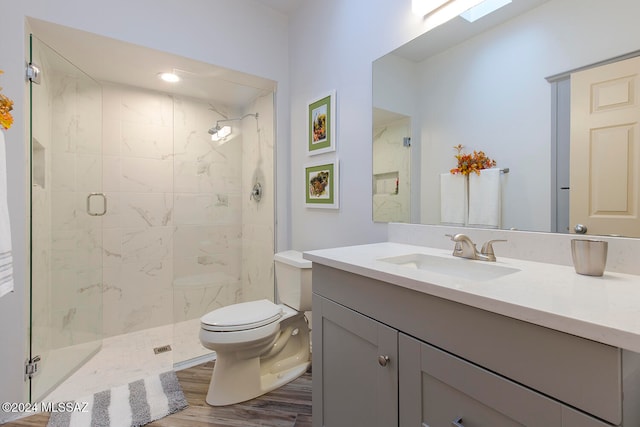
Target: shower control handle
[[256, 192]]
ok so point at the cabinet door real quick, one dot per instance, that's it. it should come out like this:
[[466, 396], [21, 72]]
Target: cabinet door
[[355, 368], [438, 389]]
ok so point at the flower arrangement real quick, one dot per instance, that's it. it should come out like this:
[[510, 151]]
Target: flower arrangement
[[468, 163], [6, 105]]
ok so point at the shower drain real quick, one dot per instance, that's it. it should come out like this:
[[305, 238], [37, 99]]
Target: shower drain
[[162, 349]]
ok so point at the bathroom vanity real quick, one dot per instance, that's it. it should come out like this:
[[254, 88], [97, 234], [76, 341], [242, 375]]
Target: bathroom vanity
[[410, 336]]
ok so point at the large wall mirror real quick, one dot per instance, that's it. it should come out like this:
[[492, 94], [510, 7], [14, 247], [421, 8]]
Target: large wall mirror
[[502, 84]]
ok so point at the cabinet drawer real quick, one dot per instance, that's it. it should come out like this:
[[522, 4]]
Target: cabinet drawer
[[438, 389], [450, 390]]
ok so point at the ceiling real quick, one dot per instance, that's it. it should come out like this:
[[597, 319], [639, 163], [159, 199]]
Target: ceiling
[[285, 6], [458, 30], [110, 60]]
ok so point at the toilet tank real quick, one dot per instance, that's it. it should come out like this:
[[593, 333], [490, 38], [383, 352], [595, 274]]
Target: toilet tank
[[293, 280]]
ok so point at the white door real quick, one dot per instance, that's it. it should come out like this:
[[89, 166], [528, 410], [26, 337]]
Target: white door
[[605, 149]]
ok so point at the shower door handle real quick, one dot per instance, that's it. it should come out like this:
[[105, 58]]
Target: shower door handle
[[104, 204]]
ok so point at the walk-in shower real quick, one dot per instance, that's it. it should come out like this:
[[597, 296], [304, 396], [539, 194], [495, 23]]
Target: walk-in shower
[[182, 233]]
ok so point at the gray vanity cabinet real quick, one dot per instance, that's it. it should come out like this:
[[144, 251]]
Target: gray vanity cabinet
[[385, 355], [355, 372]]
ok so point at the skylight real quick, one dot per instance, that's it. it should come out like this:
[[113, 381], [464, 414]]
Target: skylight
[[483, 9]]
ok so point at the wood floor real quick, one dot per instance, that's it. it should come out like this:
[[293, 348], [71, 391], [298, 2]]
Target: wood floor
[[288, 406]]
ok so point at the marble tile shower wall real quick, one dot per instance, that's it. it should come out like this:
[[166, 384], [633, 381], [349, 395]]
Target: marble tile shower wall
[[207, 213], [67, 266], [258, 217], [138, 227], [173, 233]]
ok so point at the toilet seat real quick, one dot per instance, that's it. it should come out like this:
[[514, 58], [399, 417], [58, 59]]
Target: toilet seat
[[241, 317]]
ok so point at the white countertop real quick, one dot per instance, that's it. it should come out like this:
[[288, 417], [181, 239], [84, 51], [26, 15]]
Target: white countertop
[[604, 309]]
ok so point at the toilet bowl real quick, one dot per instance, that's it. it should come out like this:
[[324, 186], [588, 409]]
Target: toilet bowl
[[259, 345]]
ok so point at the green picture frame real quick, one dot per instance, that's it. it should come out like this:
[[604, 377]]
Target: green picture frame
[[322, 185], [321, 118]]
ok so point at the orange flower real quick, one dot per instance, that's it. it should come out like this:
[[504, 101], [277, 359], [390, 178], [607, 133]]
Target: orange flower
[[471, 162], [6, 105]]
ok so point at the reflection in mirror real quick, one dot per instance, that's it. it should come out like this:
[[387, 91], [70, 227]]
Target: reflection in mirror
[[391, 167], [483, 85]]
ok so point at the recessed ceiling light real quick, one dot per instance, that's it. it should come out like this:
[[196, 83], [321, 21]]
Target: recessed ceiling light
[[169, 77]]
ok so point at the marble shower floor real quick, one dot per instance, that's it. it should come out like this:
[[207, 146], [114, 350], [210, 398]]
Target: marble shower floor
[[129, 357]]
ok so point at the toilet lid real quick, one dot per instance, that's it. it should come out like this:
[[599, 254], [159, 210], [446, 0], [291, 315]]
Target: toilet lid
[[242, 316]]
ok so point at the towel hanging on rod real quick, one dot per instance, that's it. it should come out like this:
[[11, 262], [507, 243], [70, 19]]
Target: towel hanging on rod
[[484, 199]]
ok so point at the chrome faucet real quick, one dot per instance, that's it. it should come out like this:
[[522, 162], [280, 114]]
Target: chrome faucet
[[465, 248]]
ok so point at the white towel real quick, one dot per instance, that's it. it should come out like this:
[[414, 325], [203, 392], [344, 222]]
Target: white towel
[[484, 198], [453, 199], [6, 259]]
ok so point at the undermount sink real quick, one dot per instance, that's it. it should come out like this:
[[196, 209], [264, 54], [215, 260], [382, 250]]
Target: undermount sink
[[456, 267]]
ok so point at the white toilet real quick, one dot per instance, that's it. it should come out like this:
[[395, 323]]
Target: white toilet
[[260, 345]]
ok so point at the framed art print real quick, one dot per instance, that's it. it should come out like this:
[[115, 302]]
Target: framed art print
[[322, 183], [321, 117]]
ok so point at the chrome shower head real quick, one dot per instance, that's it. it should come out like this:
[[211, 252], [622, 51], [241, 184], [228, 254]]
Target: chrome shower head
[[214, 129], [221, 132]]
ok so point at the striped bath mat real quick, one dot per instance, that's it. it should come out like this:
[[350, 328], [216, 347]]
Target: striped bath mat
[[134, 404]]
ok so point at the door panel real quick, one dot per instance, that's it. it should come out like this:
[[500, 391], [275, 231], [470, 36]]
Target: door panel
[[66, 241], [605, 148], [355, 363]]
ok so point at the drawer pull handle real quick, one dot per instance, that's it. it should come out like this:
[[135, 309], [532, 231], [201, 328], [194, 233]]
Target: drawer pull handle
[[457, 422], [383, 360]]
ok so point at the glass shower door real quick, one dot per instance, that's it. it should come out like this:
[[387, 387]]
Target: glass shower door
[[66, 224]]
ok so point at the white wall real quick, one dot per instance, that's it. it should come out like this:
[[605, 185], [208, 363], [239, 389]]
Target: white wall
[[395, 80], [243, 36], [333, 44]]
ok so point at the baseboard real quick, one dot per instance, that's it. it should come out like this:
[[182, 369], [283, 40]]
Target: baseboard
[[194, 362]]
